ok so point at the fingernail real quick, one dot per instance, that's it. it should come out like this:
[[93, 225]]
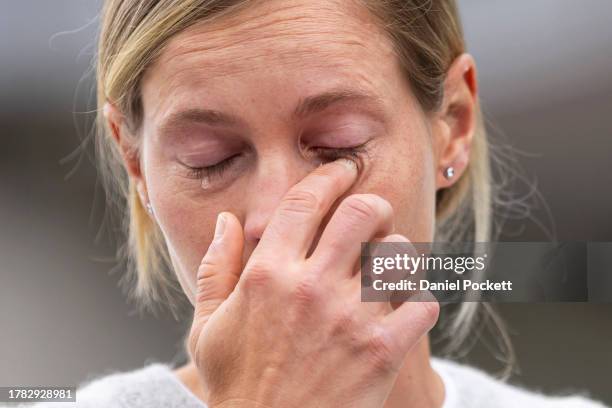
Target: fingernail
[[220, 227], [350, 164]]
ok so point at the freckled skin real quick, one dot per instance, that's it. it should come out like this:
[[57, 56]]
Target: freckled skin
[[257, 64]]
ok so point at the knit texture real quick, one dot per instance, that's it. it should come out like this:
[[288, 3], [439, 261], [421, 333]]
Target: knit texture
[[156, 386]]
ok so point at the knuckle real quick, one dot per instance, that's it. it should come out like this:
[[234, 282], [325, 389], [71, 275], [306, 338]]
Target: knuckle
[[206, 268], [431, 311], [344, 320], [257, 275], [301, 201], [380, 348], [307, 290], [363, 207], [216, 287], [424, 315]]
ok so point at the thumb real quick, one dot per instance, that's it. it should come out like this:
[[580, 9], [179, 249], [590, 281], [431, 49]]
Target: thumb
[[220, 268]]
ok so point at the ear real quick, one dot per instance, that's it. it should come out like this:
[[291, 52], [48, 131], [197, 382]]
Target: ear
[[454, 123], [126, 144]]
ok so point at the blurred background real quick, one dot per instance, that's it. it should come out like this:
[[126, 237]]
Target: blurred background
[[546, 87]]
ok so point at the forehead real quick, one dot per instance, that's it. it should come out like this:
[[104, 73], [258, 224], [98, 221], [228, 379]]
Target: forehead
[[277, 46]]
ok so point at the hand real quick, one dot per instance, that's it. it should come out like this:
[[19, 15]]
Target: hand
[[290, 330]]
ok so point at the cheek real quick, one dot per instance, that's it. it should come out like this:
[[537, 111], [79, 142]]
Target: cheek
[[415, 196], [185, 218], [187, 226], [405, 178]]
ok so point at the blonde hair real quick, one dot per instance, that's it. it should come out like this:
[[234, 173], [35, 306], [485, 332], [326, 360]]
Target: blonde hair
[[427, 37]]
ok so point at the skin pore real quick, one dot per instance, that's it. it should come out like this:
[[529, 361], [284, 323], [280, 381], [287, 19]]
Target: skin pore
[[238, 110]]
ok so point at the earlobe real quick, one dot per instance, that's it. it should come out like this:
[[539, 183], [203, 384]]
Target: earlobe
[[144, 196]]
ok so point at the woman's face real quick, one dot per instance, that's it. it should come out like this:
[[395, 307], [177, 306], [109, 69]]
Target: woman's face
[[239, 110]]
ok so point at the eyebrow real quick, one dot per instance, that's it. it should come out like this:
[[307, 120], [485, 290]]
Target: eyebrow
[[307, 106], [318, 103], [196, 115]]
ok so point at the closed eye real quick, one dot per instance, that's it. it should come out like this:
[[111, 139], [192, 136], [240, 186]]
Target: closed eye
[[214, 170], [324, 154], [329, 154]]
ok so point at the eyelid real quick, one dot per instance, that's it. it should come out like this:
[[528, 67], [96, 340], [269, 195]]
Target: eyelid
[[354, 153], [212, 170], [342, 132]]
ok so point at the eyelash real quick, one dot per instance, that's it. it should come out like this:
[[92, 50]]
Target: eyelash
[[214, 170], [328, 154]]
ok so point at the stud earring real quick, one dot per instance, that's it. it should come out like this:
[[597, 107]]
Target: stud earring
[[449, 172], [149, 208]]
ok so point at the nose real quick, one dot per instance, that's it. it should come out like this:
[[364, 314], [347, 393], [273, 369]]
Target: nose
[[271, 181]]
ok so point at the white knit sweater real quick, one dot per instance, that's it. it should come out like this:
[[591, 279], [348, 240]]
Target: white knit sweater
[[156, 386]]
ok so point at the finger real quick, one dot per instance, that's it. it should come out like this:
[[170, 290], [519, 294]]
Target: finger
[[409, 322], [295, 222], [220, 268], [383, 247], [359, 218]]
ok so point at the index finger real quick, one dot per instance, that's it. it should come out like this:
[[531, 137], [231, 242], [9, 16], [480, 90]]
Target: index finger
[[295, 222]]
